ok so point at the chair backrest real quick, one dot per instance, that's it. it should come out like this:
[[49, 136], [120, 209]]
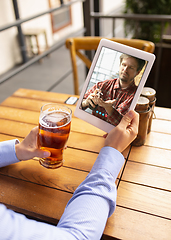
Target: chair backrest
[[91, 43]]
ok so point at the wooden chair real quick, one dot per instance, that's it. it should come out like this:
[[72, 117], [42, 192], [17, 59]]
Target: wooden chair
[[91, 43]]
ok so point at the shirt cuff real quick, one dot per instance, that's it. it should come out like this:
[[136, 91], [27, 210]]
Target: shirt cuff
[[109, 159], [7, 152]]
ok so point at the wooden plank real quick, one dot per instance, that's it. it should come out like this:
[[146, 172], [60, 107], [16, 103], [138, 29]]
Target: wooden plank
[[35, 200], [63, 178], [31, 117], [82, 160], [30, 182], [148, 175], [17, 129], [162, 113], [42, 95], [73, 158], [159, 140], [151, 155], [32, 215], [19, 115], [76, 140], [82, 141], [144, 199], [4, 137], [79, 159], [34, 105], [48, 203], [9, 110], [28, 104], [161, 126], [128, 224]]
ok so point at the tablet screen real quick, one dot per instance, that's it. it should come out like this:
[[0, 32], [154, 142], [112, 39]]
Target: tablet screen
[[112, 84]]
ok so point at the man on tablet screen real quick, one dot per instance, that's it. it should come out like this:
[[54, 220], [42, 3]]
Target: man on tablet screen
[[111, 99]]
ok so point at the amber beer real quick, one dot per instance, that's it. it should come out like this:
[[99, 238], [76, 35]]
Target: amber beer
[[54, 129]]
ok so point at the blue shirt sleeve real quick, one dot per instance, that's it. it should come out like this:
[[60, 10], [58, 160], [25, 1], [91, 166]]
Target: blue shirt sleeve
[[7, 152], [86, 213]]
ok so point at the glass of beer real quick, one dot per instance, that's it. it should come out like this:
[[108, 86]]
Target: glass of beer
[[54, 129]]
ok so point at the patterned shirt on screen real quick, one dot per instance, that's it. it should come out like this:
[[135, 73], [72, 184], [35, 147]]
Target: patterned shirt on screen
[[111, 90]]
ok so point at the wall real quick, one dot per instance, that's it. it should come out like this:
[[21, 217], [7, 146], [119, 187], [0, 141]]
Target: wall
[[77, 22], [30, 8], [107, 7], [7, 45], [9, 49]]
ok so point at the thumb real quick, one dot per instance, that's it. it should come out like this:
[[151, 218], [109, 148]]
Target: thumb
[[113, 101], [42, 153], [130, 122], [127, 119]]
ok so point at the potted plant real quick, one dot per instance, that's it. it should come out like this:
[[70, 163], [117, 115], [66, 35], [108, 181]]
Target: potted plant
[[147, 30]]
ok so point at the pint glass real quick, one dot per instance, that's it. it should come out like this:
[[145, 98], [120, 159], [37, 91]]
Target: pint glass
[[54, 129]]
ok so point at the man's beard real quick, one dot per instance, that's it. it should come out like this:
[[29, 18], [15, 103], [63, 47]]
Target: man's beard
[[125, 80]]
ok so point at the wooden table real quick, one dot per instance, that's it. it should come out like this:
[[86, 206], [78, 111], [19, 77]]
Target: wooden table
[[144, 184]]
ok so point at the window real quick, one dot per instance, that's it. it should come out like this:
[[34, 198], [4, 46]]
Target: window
[[60, 18]]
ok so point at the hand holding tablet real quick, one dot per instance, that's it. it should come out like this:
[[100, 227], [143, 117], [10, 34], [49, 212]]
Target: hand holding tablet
[[113, 85]]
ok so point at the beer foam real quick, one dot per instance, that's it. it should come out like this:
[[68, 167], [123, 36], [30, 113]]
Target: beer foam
[[55, 119]]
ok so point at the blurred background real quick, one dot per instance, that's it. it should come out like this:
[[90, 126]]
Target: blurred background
[[33, 34]]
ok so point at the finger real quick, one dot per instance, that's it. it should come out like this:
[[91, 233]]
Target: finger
[[34, 131], [89, 101], [135, 123], [41, 153], [135, 120], [132, 119], [95, 100], [127, 118], [92, 103], [113, 101]]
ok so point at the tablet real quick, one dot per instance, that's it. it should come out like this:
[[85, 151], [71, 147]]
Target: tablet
[[113, 85]]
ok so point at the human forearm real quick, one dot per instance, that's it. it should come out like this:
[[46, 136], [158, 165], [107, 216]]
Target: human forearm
[[108, 105], [86, 213], [106, 168], [94, 200], [108, 108], [16, 226]]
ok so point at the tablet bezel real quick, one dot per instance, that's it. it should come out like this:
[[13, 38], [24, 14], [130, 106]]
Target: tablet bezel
[[102, 124]]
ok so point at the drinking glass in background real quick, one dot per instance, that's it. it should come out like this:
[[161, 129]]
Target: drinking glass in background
[[54, 129]]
